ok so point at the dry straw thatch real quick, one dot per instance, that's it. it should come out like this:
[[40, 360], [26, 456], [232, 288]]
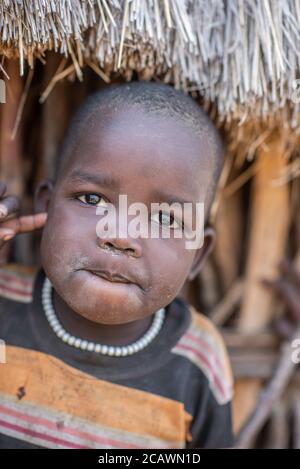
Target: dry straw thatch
[[241, 54]]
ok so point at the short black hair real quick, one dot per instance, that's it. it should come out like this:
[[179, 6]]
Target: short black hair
[[154, 99]]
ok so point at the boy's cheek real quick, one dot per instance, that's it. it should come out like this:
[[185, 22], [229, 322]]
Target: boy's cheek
[[67, 225], [168, 279]]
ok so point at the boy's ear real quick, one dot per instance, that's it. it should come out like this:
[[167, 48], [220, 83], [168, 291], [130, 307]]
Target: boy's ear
[[203, 252], [42, 195]]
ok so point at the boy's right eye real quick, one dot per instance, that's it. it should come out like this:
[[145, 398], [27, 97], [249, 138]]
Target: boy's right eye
[[92, 199]]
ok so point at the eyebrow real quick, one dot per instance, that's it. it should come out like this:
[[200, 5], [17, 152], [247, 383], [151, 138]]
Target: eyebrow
[[100, 179]]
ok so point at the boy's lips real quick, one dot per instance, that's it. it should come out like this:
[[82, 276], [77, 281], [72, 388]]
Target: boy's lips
[[113, 277]]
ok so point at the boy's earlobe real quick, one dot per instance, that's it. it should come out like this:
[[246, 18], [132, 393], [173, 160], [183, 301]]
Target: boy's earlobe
[[203, 252], [42, 195]]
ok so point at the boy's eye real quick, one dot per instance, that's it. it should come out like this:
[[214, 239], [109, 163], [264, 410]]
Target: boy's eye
[[166, 219], [92, 199]]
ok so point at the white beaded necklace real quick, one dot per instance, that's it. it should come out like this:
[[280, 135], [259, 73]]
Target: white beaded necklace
[[82, 344]]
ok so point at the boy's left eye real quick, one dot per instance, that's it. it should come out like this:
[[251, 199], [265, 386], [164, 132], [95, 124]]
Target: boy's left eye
[[92, 199], [166, 219]]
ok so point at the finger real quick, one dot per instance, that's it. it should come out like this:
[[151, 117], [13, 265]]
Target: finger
[[6, 234], [8, 205], [267, 283], [29, 223], [25, 223], [288, 269]]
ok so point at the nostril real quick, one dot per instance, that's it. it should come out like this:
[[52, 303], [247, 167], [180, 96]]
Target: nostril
[[119, 246]]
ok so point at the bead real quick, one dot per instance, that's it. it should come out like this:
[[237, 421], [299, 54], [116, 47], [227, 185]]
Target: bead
[[84, 345], [110, 350], [91, 346], [71, 340], [60, 332], [77, 343], [65, 337]]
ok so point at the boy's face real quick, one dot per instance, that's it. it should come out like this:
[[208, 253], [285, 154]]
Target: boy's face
[[150, 159]]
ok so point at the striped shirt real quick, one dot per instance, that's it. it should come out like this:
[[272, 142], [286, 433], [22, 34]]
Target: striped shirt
[[175, 393]]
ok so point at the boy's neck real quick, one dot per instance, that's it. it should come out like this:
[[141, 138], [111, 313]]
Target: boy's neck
[[116, 334]]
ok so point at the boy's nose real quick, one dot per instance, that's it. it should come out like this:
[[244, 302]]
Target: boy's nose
[[118, 245]]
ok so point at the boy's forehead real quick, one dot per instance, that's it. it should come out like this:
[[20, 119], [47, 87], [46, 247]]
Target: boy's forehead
[[137, 132], [134, 144]]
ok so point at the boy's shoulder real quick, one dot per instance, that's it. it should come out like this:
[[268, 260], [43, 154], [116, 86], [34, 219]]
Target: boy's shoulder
[[17, 282], [203, 346]]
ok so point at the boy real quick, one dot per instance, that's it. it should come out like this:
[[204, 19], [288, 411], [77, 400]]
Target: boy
[[100, 353]]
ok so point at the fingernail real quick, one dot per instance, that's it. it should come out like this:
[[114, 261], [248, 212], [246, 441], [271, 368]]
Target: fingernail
[[3, 211], [266, 282], [8, 237]]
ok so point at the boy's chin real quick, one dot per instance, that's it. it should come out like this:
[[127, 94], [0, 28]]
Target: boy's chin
[[108, 318], [105, 315], [103, 302]]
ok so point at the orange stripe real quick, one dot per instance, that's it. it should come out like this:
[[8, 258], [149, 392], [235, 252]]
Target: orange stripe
[[51, 383], [19, 270]]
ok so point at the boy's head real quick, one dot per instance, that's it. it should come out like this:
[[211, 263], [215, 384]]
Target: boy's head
[[153, 144]]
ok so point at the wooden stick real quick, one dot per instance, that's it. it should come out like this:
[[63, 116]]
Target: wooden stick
[[269, 396], [54, 119], [269, 223], [10, 150], [98, 70], [22, 104], [11, 164], [57, 77], [296, 416], [244, 340], [278, 435], [228, 248], [253, 364], [224, 309]]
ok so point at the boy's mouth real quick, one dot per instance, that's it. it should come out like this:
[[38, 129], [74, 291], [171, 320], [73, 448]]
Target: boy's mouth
[[111, 277]]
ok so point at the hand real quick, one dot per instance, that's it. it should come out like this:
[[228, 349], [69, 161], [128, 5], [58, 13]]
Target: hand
[[287, 288], [10, 223]]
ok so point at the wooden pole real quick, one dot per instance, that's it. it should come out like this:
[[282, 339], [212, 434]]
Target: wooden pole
[[10, 148], [269, 220]]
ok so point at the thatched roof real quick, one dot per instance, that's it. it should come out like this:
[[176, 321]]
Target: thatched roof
[[243, 55]]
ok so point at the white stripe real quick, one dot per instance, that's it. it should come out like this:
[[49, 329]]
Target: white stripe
[[34, 427], [219, 370], [15, 296], [77, 424], [221, 398], [208, 338]]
